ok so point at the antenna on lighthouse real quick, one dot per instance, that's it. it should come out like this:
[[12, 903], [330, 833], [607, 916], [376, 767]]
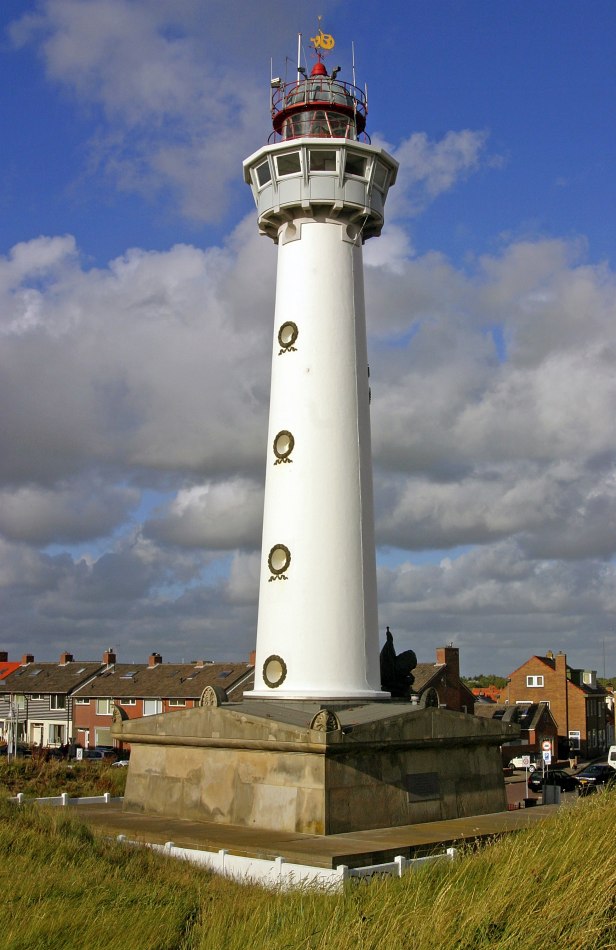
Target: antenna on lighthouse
[[353, 60], [299, 56]]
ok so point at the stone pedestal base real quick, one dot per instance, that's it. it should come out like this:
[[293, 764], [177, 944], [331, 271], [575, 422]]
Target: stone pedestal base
[[300, 767]]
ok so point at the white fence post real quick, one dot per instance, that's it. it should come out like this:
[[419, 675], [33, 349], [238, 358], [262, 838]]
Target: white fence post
[[64, 797], [401, 862]]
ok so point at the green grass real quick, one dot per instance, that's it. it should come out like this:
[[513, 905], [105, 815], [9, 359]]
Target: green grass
[[551, 886]]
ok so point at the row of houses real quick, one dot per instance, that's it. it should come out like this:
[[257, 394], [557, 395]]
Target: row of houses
[[52, 704]]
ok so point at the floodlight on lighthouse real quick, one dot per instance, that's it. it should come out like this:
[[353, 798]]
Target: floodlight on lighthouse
[[320, 189]]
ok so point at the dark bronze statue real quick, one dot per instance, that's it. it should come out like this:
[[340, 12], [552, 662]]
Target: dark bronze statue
[[396, 670]]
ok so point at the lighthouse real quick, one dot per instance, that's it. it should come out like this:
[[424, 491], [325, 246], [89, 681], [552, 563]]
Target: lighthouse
[[320, 189], [310, 749]]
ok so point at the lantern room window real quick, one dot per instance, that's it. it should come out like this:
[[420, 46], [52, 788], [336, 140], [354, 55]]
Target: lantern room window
[[322, 161], [380, 176], [355, 165], [289, 164], [263, 173]]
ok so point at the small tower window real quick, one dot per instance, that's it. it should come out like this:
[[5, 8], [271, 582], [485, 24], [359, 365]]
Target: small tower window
[[283, 446], [287, 335], [264, 173], [274, 671], [322, 161], [288, 164]]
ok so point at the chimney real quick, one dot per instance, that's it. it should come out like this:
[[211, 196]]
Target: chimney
[[66, 658], [550, 655], [154, 660], [4, 657], [561, 663], [109, 657], [450, 656], [252, 659], [27, 658]]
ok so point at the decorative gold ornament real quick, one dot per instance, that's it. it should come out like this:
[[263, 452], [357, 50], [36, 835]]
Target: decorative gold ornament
[[325, 721]]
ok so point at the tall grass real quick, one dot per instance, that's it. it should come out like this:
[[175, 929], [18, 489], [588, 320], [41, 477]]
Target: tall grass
[[37, 778], [551, 886]]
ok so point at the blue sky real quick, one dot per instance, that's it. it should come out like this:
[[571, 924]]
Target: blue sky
[[136, 302]]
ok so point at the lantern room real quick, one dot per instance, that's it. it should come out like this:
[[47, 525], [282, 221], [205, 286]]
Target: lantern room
[[319, 106]]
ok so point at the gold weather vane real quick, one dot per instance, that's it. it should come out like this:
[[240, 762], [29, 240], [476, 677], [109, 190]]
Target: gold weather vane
[[324, 41]]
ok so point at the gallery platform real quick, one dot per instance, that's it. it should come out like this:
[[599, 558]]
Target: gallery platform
[[355, 849]]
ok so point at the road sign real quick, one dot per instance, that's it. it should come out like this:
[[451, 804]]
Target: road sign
[[546, 745], [526, 761], [547, 757]]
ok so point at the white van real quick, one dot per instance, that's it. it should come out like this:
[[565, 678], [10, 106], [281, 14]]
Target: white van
[[611, 756]]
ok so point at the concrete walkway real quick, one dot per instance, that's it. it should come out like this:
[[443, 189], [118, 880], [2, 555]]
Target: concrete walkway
[[354, 849]]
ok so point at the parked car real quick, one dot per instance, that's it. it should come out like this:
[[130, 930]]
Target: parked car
[[566, 782], [593, 776], [519, 761], [100, 755]]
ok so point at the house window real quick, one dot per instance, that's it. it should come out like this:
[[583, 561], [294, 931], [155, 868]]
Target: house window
[[58, 701], [82, 702], [35, 697], [151, 707], [127, 702], [574, 740], [104, 707], [56, 734], [534, 680], [176, 702]]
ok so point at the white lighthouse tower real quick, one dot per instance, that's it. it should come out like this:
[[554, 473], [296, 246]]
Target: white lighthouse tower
[[320, 190]]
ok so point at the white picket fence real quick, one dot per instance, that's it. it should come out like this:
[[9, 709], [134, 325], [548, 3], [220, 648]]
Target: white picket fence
[[283, 874], [65, 799]]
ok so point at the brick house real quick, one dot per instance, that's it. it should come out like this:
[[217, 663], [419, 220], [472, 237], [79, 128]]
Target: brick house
[[576, 701], [146, 689], [444, 677], [36, 699]]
